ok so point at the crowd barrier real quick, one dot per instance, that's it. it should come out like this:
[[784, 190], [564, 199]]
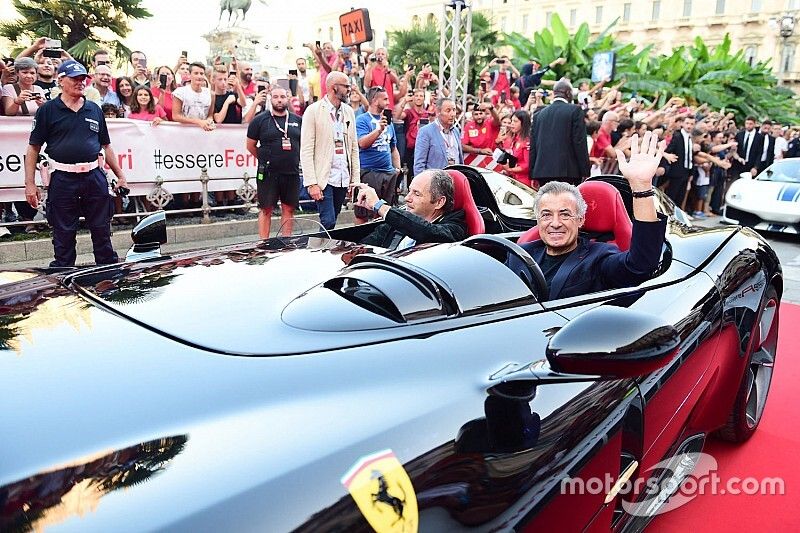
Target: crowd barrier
[[177, 156]]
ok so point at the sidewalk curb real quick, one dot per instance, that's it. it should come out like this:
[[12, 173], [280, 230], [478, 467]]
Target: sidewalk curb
[[41, 249]]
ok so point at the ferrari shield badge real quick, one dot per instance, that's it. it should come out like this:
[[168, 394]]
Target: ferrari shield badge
[[383, 492]]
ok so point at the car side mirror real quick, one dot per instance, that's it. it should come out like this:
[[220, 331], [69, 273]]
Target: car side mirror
[[148, 236], [613, 342]]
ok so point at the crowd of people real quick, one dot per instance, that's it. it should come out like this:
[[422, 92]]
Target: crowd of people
[[403, 121]]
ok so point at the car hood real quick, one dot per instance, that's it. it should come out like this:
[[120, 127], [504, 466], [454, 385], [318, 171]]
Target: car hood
[[227, 301]]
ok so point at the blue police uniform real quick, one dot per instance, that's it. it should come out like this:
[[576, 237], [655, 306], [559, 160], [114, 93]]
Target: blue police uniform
[[70, 138]]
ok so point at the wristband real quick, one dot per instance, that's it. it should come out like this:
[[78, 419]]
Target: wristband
[[378, 205], [644, 194]]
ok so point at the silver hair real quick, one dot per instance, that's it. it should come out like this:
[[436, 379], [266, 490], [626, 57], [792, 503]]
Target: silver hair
[[560, 187], [564, 87], [24, 63], [442, 186], [440, 102]]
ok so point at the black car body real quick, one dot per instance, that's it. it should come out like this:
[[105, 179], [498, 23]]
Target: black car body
[[233, 389]]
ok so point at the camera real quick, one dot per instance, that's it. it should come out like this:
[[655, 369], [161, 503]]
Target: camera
[[319, 45], [292, 72], [162, 81], [387, 114], [372, 59], [356, 190], [507, 159], [424, 122], [52, 53]]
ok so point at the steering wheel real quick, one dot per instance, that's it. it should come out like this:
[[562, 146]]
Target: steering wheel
[[515, 258]]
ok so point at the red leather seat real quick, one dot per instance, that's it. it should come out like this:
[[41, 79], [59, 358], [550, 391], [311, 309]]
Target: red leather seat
[[462, 199], [605, 214]]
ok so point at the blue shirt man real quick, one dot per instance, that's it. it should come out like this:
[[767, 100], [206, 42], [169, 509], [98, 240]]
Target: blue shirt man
[[74, 131], [378, 155]]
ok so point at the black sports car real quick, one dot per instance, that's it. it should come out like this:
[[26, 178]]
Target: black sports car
[[308, 383]]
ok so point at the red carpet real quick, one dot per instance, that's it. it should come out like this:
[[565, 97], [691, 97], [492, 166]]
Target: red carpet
[[774, 452]]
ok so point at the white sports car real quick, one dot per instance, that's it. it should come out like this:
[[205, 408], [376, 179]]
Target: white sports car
[[770, 201]]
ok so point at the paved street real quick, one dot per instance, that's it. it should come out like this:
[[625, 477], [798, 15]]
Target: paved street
[[788, 250]]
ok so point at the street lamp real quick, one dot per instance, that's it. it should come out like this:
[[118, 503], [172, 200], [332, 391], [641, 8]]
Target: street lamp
[[785, 28]]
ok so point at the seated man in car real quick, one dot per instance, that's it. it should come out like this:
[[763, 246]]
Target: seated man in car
[[573, 265], [429, 215]]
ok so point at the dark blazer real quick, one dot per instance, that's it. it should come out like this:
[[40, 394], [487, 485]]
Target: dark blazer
[[558, 144], [755, 151], [596, 266], [762, 165], [678, 147], [399, 223]]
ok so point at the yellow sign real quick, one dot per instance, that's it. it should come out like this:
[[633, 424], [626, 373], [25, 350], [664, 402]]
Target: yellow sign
[[383, 492]]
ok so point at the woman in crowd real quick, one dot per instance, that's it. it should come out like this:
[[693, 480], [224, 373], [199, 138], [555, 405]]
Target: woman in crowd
[[144, 107], [504, 136], [23, 98], [520, 129], [125, 93], [164, 96]]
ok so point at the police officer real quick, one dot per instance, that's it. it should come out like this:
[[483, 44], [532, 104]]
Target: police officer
[[274, 139], [74, 130]]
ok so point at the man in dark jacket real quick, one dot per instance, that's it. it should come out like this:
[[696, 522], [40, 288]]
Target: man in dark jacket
[[558, 140], [429, 216], [573, 265]]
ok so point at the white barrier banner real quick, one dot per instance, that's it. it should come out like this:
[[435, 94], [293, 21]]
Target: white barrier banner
[[175, 152]]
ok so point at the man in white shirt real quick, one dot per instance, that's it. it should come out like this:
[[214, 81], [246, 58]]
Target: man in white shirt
[[192, 102], [102, 82], [329, 149]]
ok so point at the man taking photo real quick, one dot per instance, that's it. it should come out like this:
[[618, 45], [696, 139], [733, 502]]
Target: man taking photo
[[429, 215]]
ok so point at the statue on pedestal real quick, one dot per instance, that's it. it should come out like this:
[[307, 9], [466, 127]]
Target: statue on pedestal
[[233, 7]]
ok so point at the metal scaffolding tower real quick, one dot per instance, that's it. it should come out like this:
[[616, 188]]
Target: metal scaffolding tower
[[454, 42]]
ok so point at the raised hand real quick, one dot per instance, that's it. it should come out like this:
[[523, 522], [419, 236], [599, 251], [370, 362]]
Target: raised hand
[[644, 160]]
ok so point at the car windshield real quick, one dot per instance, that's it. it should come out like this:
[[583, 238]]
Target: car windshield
[[787, 171]]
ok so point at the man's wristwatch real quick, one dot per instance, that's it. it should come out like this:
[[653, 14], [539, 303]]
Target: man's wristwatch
[[378, 205], [644, 194]]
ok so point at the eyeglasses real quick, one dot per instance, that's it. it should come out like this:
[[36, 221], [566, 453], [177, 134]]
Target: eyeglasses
[[563, 217]]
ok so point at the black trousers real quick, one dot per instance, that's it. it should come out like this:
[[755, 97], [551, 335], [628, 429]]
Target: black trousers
[[676, 189], [71, 196]]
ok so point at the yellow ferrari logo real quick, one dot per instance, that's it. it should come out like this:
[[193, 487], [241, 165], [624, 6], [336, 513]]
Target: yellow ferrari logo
[[383, 492]]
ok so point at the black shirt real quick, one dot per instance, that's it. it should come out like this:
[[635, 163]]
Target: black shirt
[[71, 137], [46, 86], [234, 114], [551, 264], [266, 129]]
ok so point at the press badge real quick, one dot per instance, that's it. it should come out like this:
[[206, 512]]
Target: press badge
[[286, 144], [339, 146]]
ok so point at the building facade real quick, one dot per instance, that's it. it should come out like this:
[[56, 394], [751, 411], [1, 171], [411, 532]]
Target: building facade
[[754, 25]]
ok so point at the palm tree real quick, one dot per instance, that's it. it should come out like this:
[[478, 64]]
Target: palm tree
[[75, 23], [419, 45]]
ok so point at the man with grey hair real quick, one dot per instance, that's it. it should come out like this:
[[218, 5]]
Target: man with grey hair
[[439, 143], [558, 140], [429, 215], [573, 265]]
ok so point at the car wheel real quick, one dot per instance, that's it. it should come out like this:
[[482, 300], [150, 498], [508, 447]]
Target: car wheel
[[752, 396]]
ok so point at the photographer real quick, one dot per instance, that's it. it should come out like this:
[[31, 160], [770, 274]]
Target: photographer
[[24, 97], [380, 160], [502, 78], [379, 74]]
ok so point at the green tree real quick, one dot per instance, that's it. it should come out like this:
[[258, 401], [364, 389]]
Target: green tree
[[419, 45], [717, 77], [75, 23]]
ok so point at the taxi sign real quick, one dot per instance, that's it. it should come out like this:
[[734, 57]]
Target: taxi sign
[[383, 492], [355, 26]]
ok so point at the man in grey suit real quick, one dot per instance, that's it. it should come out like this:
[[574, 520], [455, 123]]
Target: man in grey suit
[[439, 143], [558, 140]]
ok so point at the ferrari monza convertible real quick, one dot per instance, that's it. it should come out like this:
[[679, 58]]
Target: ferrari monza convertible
[[309, 383]]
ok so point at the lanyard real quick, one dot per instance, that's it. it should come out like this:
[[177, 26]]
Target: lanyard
[[285, 128]]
